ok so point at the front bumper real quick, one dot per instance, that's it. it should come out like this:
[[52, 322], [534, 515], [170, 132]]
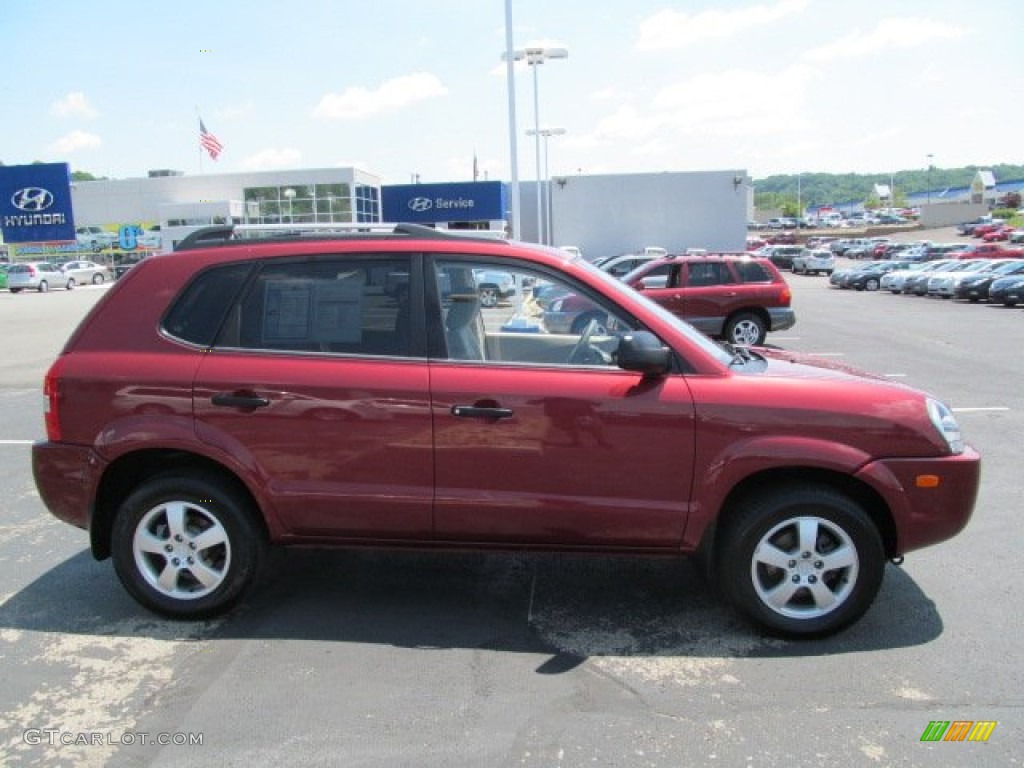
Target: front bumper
[[931, 500]]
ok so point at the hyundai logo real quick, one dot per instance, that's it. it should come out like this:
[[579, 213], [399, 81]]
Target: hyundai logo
[[420, 204], [32, 199]]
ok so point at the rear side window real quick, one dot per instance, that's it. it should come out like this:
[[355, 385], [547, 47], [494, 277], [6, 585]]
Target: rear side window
[[353, 305], [709, 273], [752, 272], [200, 310]]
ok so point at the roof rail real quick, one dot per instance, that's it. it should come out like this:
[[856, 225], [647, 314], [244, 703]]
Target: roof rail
[[247, 233]]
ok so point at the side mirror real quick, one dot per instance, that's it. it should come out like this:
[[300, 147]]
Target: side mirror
[[642, 351]]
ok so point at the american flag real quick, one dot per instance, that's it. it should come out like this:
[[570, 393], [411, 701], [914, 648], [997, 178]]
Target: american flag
[[209, 142]]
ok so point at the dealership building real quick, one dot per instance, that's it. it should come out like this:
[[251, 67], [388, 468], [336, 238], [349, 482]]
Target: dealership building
[[600, 214]]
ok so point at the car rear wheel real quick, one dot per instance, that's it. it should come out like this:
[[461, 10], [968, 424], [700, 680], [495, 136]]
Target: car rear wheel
[[70, 283], [43, 286], [800, 561], [746, 329], [186, 546], [97, 279]]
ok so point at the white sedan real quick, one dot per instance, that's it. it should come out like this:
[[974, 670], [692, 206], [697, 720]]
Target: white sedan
[[82, 272]]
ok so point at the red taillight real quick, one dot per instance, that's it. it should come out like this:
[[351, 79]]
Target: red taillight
[[31, 271], [787, 296], [51, 406]]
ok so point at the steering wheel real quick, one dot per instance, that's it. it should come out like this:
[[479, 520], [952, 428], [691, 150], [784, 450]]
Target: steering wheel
[[584, 354]]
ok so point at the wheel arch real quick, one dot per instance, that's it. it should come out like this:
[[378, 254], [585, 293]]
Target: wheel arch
[[768, 480], [128, 472]]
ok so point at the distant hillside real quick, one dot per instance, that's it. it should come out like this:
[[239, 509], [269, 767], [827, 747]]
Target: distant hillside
[[824, 188]]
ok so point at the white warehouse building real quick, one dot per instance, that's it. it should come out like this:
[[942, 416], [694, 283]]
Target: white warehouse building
[[600, 214]]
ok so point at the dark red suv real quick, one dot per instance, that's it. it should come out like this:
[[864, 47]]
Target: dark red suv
[[736, 297], [350, 390]]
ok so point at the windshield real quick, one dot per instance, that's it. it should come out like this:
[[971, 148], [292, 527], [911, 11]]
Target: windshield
[[619, 287]]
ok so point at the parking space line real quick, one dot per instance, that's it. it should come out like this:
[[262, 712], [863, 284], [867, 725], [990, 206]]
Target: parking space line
[[16, 442], [982, 409]]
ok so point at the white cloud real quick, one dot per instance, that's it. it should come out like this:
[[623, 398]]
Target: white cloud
[[889, 33], [270, 158], [668, 29], [359, 103], [73, 105], [75, 141]]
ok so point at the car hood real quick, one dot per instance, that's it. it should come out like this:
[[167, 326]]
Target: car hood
[[784, 363]]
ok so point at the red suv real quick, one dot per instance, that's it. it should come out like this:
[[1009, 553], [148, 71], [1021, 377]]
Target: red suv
[[735, 297], [242, 393]]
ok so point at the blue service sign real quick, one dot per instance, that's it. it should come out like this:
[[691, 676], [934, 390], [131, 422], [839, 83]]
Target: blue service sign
[[35, 203], [431, 203]]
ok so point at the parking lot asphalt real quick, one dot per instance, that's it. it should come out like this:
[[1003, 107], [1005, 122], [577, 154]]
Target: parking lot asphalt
[[453, 659]]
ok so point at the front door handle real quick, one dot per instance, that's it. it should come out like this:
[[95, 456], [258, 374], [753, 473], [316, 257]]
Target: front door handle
[[239, 400], [479, 412]]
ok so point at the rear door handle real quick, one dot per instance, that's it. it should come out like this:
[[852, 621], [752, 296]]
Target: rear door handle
[[479, 412], [238, 400]]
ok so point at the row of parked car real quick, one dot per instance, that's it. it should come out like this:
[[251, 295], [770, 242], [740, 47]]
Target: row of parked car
[[998, 281], [43, 275]]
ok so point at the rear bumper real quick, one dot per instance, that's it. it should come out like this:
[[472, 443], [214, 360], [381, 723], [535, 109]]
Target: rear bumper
[[66, 477], [781, 318], [935, 512]]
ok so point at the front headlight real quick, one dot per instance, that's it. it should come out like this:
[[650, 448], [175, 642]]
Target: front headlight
[[944, 421]]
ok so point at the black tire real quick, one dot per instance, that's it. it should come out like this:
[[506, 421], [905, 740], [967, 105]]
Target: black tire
[[97, 279], [43, 286], [786, 539], [14, 290], [218, 539], [70, 284], [746, 328], [871, 284]]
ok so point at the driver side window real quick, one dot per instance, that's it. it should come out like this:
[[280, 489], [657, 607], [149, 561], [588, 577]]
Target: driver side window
[[502, 314]]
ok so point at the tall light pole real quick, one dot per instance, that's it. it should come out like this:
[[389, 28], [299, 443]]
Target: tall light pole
[[547, 133], [535, 56], [510, 76]]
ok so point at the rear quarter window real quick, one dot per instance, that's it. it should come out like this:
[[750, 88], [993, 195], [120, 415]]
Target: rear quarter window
[[199, 311], [752, 272]]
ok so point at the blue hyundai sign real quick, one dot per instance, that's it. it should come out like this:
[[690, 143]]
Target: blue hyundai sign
[[433, 203], [35, 203]]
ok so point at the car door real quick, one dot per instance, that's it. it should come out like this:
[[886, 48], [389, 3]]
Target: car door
[[710, 293], [318, 385], [661, 283], [541, 440]]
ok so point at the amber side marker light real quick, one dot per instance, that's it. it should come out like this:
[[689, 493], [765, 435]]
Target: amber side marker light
[[927, 481]]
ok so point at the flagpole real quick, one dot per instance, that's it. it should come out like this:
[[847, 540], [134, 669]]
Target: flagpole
[[199, 144]]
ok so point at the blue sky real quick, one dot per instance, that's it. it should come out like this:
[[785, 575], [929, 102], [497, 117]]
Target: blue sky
[[399, 87]]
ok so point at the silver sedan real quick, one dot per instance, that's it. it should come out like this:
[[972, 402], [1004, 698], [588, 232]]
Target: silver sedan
[[83, 272]]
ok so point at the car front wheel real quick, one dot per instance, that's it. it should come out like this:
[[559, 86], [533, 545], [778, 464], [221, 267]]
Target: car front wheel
[[186, 546], [97, 279], [871, 284], [746, 329], [70, 283], [43, 286], [800, 561]]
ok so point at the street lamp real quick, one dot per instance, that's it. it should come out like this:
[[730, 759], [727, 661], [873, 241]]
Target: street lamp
[[547, 133], [534, 57]]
